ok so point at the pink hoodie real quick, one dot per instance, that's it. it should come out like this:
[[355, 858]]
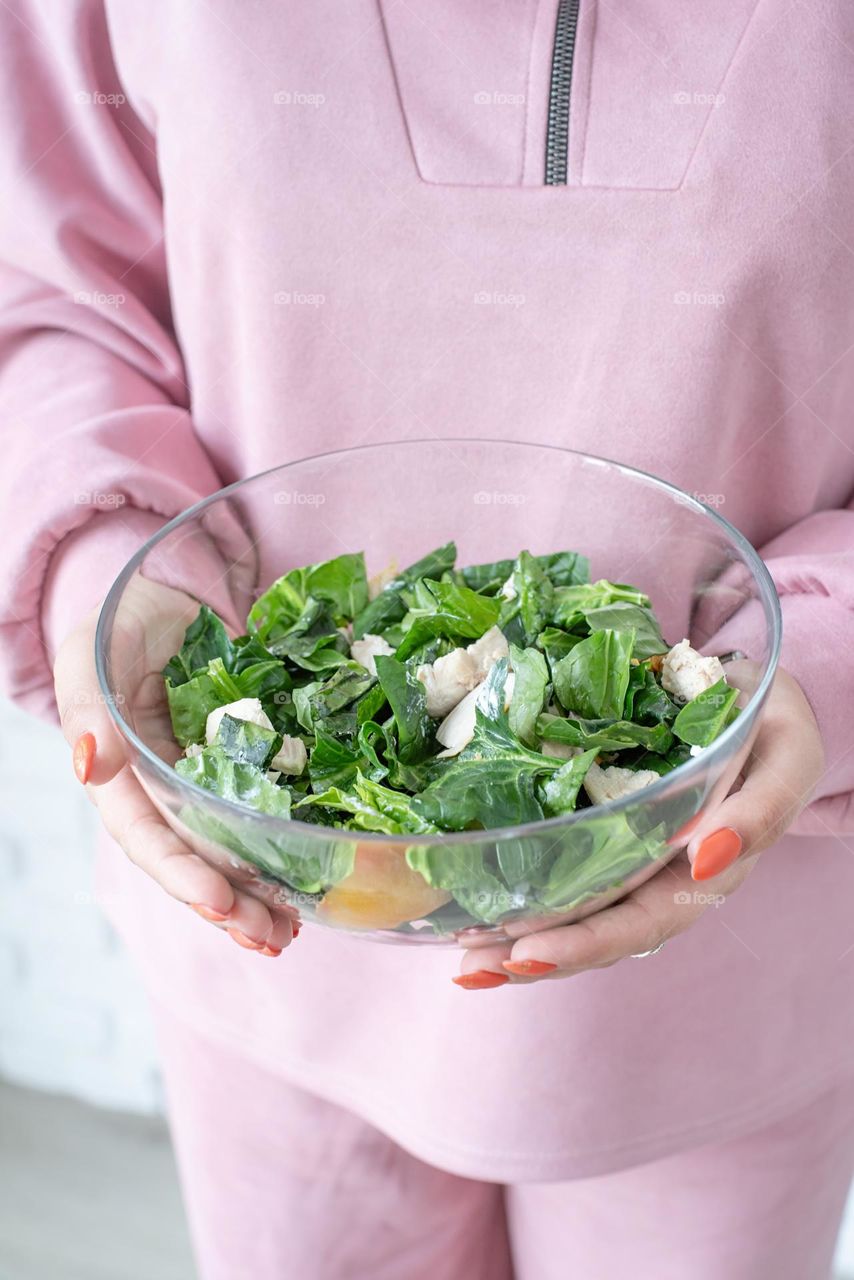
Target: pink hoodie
[[238, 234]]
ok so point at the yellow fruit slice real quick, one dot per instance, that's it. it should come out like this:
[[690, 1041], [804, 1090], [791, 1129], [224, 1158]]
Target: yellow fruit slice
[[381, 892]]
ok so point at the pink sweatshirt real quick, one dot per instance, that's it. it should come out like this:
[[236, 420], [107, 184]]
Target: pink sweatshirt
[[237, 234]]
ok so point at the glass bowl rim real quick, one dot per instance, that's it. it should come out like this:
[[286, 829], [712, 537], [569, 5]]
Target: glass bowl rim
[[313, 831]]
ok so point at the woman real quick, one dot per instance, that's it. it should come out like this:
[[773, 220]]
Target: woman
[[238, 235]]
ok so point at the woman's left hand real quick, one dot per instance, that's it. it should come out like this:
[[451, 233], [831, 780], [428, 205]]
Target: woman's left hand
[[784, 765]]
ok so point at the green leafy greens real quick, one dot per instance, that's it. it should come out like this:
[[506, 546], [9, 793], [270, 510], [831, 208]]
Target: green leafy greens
[[310, 733]]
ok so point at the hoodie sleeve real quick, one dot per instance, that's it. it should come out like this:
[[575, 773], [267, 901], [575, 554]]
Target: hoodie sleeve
[[812, 564], [99, 446]]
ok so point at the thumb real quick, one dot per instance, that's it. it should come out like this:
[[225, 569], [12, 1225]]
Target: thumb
[[86, 723], [782, 769]]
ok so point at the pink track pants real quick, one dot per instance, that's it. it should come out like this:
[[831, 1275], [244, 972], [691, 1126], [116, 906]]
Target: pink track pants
[[279, 1183]]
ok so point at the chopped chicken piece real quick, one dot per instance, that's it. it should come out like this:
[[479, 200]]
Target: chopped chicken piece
[[244, 709], [457, 729], [686, 673], [193, 749], [291, 756], [508, 591], [447, 680], [450, 678], [603, 785], [370, 647], [491, 646], [560, 750]]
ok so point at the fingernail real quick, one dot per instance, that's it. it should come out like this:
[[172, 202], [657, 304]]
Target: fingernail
[[528, 968], [83, 755], [716, 853], [296, 928], [243, 941], [480, 980], [207, 913], [270, 951]]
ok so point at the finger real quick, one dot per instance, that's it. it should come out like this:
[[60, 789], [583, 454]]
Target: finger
[[251, 925], [483, 967], [82, 709], [648, 917], [151, 845], [783, 767], [157, 850]]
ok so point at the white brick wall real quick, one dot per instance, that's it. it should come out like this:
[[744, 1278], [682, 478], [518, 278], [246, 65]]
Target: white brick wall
[[72, 1015]]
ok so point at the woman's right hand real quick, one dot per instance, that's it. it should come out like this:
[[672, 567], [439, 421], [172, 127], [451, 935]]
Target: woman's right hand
[[126, 811]]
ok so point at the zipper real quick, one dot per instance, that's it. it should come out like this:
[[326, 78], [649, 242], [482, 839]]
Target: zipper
[[557, 132]]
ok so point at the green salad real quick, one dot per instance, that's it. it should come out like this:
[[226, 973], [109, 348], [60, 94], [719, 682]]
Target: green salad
[[438, 699]]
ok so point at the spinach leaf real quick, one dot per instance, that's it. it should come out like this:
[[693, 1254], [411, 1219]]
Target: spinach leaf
[[247, 743], [204, 639], [646, 701], [491, 782], [604, 735], [531, 604], [464, 872], [190, 704], [564, 569], [313, 642], [388, 607], [370, 704], [453, 611], [332, 763], [529, 692], [592, 679], [559, 793], [340, 583], [705, 717], [344, 686], [556, 644], [622, 616], [372, 807], [214, 770], [596, 855], [408, 702], [572, 604]]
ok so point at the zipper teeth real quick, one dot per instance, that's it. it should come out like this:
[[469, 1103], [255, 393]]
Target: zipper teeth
[[557, 134]]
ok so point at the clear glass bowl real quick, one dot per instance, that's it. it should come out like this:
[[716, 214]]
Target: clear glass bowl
[[396, 501]]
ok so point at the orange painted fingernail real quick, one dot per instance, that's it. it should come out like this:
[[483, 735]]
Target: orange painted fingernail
[[270, 951], [243, 941], [716, 853], [528, 968], [480, 980], [207, 913], [83, 755], [296, 928]]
